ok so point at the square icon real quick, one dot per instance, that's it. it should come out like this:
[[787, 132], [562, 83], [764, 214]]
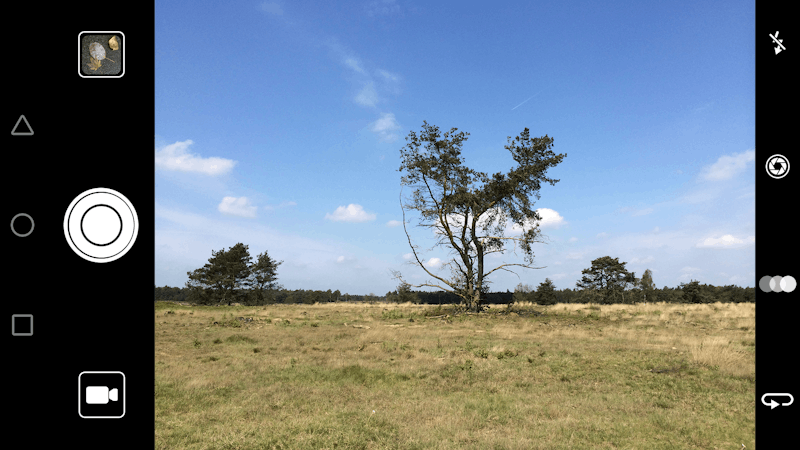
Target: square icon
[[101, 395], [101, 54], [22, 324]]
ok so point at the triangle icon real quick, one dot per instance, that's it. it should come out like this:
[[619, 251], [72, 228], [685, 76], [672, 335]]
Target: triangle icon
[[24, 130]]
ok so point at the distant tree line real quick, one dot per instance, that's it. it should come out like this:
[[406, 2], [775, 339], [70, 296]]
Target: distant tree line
[[693, 292], [230, 277], [608, 282]]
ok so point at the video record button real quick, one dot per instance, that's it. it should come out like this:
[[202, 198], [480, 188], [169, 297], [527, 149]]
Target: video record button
[[101, 395]]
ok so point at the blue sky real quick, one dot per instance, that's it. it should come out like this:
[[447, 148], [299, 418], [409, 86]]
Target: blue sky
[[279, 125]]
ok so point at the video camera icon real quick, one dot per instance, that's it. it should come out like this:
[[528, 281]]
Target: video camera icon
[[101, 395]]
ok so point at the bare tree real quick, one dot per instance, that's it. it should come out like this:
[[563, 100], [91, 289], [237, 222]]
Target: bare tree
[[471, 219]]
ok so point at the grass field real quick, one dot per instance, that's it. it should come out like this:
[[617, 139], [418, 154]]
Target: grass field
[[361, 376]]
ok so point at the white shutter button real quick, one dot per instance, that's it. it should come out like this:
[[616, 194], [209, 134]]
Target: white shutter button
[[101, 225]]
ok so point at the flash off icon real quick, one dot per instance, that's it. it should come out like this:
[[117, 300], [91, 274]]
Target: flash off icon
[[101, 395], [775, 40]]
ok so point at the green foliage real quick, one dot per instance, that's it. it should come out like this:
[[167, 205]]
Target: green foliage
[[506, 354], [693, 293], [523, 293], [393, 314], [545, 293], [707, 294], [238, 338], [403, 294], [647, 286]]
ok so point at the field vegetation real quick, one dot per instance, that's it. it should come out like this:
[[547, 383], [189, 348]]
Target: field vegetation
[[406, 376]]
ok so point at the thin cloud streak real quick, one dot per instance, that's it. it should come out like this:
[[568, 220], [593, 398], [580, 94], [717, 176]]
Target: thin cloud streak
[[534, 95]]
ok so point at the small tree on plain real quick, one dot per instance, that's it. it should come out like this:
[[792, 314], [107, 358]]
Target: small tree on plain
[[647, 286], [605, 280], [470, 219], [693, 292], [545, 293], [405, 294]]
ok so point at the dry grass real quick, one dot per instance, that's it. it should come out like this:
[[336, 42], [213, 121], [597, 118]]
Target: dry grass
[[569, 376]]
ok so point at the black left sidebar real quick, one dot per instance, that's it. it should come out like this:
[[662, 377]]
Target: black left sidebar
[[79, 241]]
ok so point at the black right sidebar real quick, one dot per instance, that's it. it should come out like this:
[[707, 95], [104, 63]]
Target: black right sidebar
[[777, 319]]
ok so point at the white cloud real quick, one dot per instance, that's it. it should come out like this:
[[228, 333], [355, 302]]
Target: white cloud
[[240, 207], [602, 235], [365, 78], [350, 213], [388, 76], [408, 255], [702, 107], [393, 223], [573, 239], [636, 212], [282, 205], [176, 157], [434, 262], [642, 260], [382, 8], [727, 167], [574, 255], [385, 126], [367, 96], [726, 241], [349, 261], [355, 64], [550, 219], [688, 273], [272, 8]]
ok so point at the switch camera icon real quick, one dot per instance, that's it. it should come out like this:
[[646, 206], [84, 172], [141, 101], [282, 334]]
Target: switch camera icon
[[101, 395], [772, 403]]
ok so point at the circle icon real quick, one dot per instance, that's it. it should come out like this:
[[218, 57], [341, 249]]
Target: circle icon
[[788, 283], [777, 166], [13, 230], [101, 225], [763, 283]]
